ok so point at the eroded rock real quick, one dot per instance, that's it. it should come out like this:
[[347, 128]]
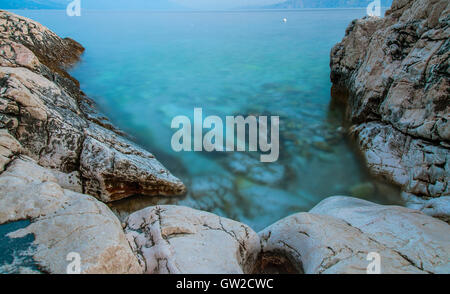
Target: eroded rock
[[55, 52], [319, 244], [63, 221], [181, 240], [423, 240], [392, 74], [338, 234], [9, 147], [57, 125], [416, 166], [436, 207]]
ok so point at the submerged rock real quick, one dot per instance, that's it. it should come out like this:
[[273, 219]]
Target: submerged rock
[[212, 193], [362, 190], [250, 167], [53, 145], [181, 240], [263, 204], [44, 109], [392, 75]]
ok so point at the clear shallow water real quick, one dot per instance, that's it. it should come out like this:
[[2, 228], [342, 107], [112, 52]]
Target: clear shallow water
[[16, 255], [145, 68]]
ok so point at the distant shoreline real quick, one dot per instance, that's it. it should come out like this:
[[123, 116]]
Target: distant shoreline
[[199, 11]]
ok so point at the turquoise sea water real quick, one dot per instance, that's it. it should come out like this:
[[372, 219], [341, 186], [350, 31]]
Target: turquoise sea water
[[16, 255], [145, 68]]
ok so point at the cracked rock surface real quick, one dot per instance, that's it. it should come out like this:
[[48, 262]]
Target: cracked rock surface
[[392, 75], [62, 222], [42, 106], [422, 240], [176, 239], [337, 235], [54, 147]]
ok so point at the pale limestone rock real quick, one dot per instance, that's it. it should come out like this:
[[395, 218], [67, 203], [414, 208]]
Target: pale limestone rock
[[63, 222], [435, 207], [13, 54], [70, 181], [392, 76], [57, 125], [176, 239], [54, 132], [28, 191], [56, 52], [320, 244], [417, 167], [44, 115], [9, 147], [421, 239], [115, 168]]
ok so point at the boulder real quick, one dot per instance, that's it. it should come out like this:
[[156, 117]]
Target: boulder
[[43, 108], [435, 207], [62, 222], [391, 75], [419, 238], [319, 244], [55, 52], [181, 240], [341, 235], [417, 167]]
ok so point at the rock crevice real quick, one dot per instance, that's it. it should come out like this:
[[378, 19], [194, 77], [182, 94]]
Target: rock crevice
[[392, 75], [55, 146]]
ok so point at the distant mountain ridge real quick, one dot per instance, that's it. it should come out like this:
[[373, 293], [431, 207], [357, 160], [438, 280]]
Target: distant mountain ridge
[[298, 4], [167, 5], [89, 4]]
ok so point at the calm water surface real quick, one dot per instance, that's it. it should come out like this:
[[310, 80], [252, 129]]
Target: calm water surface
[[145, 68]]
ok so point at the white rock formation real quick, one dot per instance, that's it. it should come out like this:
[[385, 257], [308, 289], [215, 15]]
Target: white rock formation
[[42, 106], [176, 239], [339, 233], [63, 221], [391, 74], [435, 207]]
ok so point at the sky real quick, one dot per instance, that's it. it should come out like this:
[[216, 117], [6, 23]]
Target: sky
[[172, 4], [139, 4], [223, 4], [193, 4]]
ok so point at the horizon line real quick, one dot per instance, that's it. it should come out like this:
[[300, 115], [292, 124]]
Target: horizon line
[[194, 10]]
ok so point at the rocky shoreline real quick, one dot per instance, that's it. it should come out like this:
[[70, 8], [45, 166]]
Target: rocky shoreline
[[55, 123], [391, 75], [61, 161]]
